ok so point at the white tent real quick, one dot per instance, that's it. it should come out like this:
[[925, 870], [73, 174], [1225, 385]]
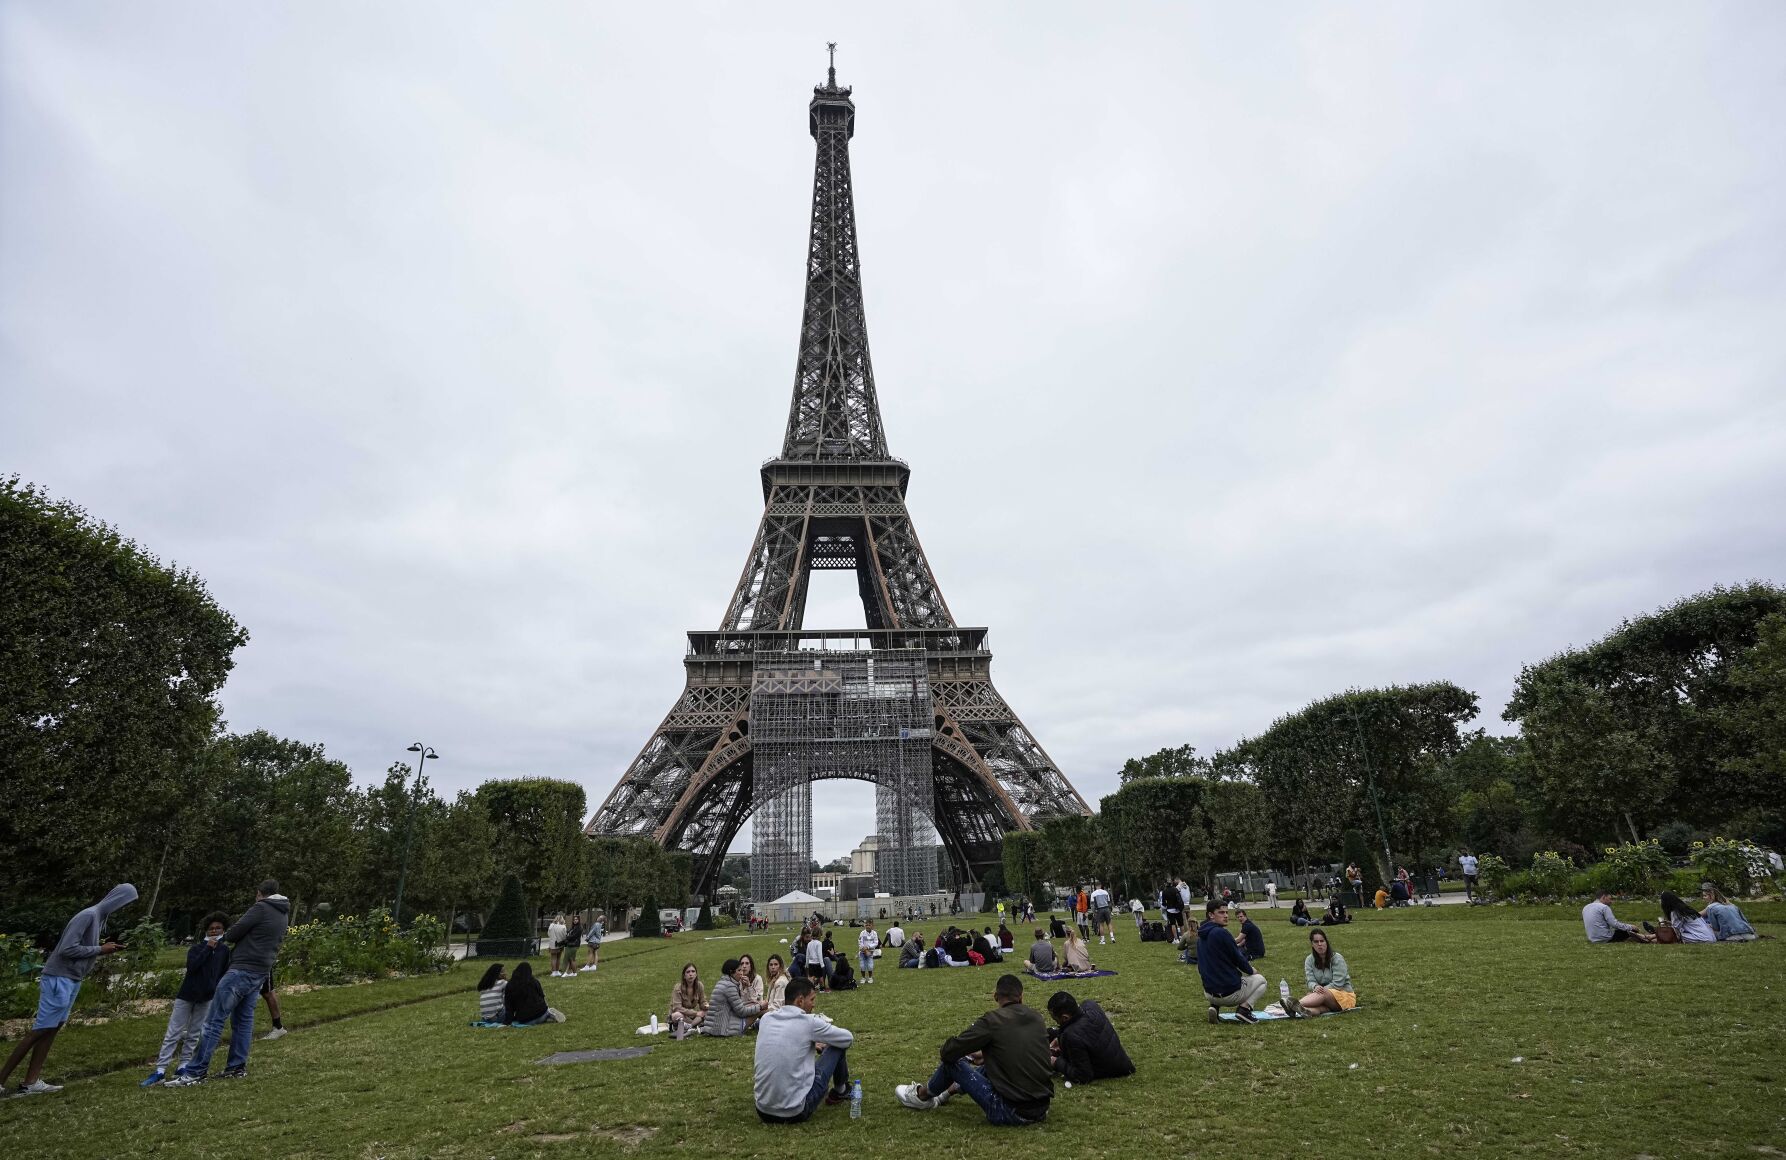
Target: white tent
[[795, 904]]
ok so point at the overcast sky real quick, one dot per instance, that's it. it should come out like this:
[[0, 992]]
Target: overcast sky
[[1240, 355]]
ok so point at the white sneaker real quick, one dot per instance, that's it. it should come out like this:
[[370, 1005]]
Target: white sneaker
[[907, 1094], [39, 1088], [276, 1033], [1100, 940]]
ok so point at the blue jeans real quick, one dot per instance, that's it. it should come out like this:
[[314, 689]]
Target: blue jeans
[[829, 1068], [973, 1081], [237, 994]]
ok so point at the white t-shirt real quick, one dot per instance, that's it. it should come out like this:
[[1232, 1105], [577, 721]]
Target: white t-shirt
[[1135, 905], [555, 934], [1468, 864], [868, 941], [815, 953], [895, 936], [1100, 899]]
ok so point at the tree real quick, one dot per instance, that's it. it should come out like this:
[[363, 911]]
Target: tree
[[539, 828], [1075, 851], [648, 924], [1024, 861], [1154, 828], [1644, 726], [458, 864], [1178, 761], [110, 664], [510, 925], [1357, 852]]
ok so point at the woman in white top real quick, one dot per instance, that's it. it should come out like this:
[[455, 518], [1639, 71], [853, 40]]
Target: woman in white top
[[775, 978], [752, 987], [555, 936], [1687, 922]]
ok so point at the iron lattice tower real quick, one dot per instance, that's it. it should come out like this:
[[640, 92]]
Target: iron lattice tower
[[763, 714]]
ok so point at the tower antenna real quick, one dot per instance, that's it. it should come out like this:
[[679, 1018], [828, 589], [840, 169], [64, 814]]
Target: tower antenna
[[831, 73]]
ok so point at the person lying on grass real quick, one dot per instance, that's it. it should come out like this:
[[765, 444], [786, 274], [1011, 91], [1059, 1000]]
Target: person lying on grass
[[1228, 979], [1085, 1045], [789, 1082], [1329, 981], [1001, 1061], [490, 989], [1602, 927], [688, 1003], [1725, 919]]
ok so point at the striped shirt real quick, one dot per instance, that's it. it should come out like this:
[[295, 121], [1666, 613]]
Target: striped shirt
[[490, 1002]]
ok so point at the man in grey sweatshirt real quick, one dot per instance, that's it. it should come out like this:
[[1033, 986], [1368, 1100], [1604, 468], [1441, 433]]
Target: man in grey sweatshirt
[[789, 1081], [256, 936], [78, 951]]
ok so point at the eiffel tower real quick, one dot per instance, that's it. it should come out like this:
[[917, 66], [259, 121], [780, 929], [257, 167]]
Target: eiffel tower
[[771, 706]]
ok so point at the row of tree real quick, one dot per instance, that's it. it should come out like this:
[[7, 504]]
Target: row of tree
[[1673, 724]]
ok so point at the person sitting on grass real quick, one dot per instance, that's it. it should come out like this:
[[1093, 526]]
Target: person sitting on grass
[[728, 1013], [78, 951], [982, 946], [1725, 919], [1687, 922], [1337, 914], [1250, 937], [1382, 898], [775, 993], [1015, 1083], [751, 983], [1329, 981], [789, 1082], [1228, 979], [1056, 928], [524, 1000], [1602, 927], [1005, 941], [1078, 958], [490, 989], [688, 1003], [911, 952], [206, 961], [1085, 1045], [1041, 960], [1299, 915]]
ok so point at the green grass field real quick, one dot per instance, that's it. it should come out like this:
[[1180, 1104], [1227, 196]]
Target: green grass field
[[1491, 1031]]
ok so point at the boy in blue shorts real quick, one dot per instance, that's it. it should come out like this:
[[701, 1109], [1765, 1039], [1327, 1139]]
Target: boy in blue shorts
[[82, 945]]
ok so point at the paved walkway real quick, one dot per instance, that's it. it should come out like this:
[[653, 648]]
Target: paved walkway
[[461, 950]]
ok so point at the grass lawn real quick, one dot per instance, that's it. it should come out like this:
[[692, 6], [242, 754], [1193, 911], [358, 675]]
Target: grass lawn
[[1622, 1050]]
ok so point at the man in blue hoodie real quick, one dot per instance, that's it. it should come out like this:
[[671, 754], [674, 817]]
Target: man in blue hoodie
[[82, 945], [1228, 979], [256, 938]]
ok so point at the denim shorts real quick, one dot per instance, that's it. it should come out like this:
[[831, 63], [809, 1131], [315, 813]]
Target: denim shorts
[[55, 1001]]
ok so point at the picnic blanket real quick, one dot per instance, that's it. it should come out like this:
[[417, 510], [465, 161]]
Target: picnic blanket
[[1274, 1012], [1050, 977]]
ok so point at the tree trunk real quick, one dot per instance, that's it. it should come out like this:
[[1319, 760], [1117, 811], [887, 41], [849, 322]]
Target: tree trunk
[[155, 894], [1635, 836]]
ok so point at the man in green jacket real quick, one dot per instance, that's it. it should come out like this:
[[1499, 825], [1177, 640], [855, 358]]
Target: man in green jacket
[[1001, 1061]]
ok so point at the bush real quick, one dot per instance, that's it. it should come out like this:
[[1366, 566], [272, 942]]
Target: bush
[[1633, 867], [648, 925], [509, 918], [1518, 886], [1738, 868], [40, 920], [1551, 875], [1494, 872], [1357, 853], [20, 960], [352, 948], [704, 920]]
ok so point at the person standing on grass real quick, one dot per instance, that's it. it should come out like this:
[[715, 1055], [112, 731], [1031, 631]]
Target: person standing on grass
[[1329, 982], [1603, 927], [77, 952], [1228, 979], [1466, 862], [573, 944], [206, 961], [555, 933], [1100, 911], [1085, 1046], [789, 1082], [593, 940], [867, 943], [1016, 1081], [1171, 910], [256, 936]]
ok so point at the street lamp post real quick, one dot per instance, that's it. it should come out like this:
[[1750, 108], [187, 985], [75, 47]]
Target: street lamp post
[[409, 829]]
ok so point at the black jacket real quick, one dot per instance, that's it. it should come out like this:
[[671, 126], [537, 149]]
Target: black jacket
[[1089, 1048], [523, 1000], [1255, 939], [258, 934], [1018, 1066], [205, 964]]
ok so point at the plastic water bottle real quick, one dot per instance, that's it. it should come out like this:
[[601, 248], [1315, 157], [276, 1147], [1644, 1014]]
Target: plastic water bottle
[[1283, 994], [855, 1099], [654, 1024]]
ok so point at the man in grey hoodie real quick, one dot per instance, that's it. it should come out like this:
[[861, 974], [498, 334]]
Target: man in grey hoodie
[[256, 936], [78, 951]]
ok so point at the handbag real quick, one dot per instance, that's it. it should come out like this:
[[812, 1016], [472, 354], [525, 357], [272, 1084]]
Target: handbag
[[1665, 933]]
